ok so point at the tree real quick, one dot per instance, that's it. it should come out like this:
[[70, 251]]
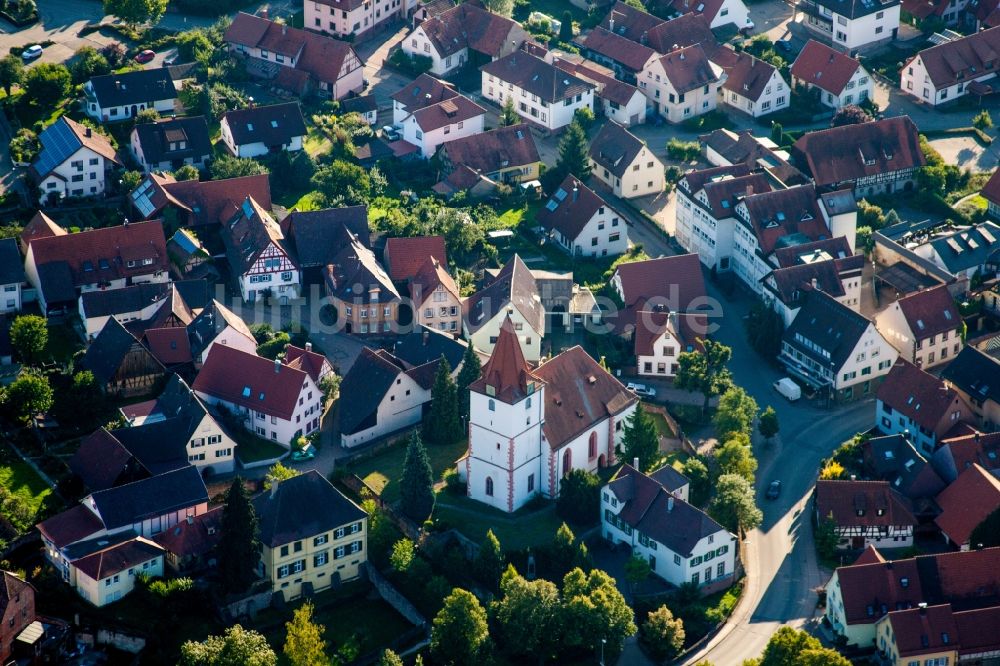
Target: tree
[[734, 505], [734, 457], [459, 630], [851, 114], [585, 116], [228, 166], [501, 7], [705, 372], [595, 609], [442, 425], [528, 616], [662, 634], [114, 53], [87, 63], [30, 394], [637, 569], [471, 369], [136, 12], [403, 552], [768, 424], [187, 172], [983, 120], [29, 335], [563, 550], [147, 116], [11, 72], [764, 329], [278, 473], [131, 179], [736, 413], [489, 562], [827, 537], [785, 647], [566, 27], [777, 133], [508, 114], [579, 497], [832, 470], [822, 657], [342, 183], [697, 473], [239, 546], [236, 647], [417, 483], [304, 644], [640, 439], [46, 84], [390, 658], [574, 153], [24, 147]]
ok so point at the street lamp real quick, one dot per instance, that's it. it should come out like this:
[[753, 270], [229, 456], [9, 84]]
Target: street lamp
[[603, 642]]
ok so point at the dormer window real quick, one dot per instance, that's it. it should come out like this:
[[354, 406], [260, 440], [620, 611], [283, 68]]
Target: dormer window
[[246, 391], [88, 266]]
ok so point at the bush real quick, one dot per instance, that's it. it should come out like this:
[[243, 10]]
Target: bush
[[685, 151], [982, 120], [414, 66], [47, 84], [24, 147]]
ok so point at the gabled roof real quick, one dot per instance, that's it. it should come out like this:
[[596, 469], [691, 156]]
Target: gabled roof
[[70, 526], [629, 22], [847, 153], [725, 192], [514, 286], [807, 253], [169, 345], [404, 257], [608, 87], [207, 202], [288, 511], [990, 192], [363, 388], [974, 373], [425, 90], [685, 30], [355, 264], [854, 9], [677, 279], [631, 55], [579, 393], [251, 381], [829, 326], [274, 125], [572, 206], [492, 151], [40, 226], [959, 453], [306, 360], [869, 555], [62, 139], [132, 298], [824, 67], [827, 275], [866, 503], [746, 75], [249, 233], [962, 59], [468, 25], [688, 68], [117, 558], [969, 248], [102, 461], [319, 234], [194, 537], [362, 104], [698, 178], [930, 312], [967, 502], [11, 588], [924, 630], [425, 345], [688, 329], [615, 148], [506, 375], [432, 274], [134, 502], [435, 104], [11, 264], [174, 139], [650, 507], [142, 86], [893, 459], [785, 217], [106, 353], [537, 77], [212, 321], [917, 394]]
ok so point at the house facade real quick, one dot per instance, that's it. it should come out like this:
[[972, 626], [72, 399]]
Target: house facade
[[462, 34], [437, 302], [75, 161], [913, 401], [351, 18], [260, 255], [359, 288], [107, 575], [682, 84], [262, 130], [543, 94], [430, 126], [865, 513], [121, 96], [11, 276], [925, 327], [751, 85], [512, 294], [624, 163], [971, 374], [659, 338], [17, 611], [953, 69], [170, 144], [581, 223], [852, 26], [839, 79]]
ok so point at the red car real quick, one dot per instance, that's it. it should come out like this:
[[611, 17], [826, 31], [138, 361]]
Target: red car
[[145, 56]]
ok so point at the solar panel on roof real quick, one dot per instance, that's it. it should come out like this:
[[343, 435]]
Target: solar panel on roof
[[58, 143], [985, 233]]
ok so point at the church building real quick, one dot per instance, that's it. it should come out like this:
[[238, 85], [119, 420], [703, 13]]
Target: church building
[[530, 427]]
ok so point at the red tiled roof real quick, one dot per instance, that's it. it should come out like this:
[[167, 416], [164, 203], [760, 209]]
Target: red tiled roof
[[866, 503], [967, 450], [193, 537], [745, 75], [608, 87], [170, 346], [631, 55], [579, 393], [677, 279], [468, 26], [688, 68], [40, 226], [792, 211], [506, 375], [455, 110], [424, 91], [956, 60], [571, 208], [916, 394], [306, 360], [70, 526], [967, 502], [869, 555], [978, 630], [688, 329], [251, 381], [990, 191], [725, 193], [824, 67], [923, 630], [405, 256], [683, 31], [432, 274], [930, 312], [101, 460], [216, 201]]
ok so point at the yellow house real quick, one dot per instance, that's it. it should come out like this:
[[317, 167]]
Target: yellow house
[[923, 635], [312, 535]]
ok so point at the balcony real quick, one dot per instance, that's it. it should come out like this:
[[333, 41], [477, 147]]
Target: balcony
[[816, 379], [817, 19]]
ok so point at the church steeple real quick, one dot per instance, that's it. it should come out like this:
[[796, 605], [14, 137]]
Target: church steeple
[[506, 375]]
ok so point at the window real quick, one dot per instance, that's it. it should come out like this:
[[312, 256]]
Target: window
[[531, 483], [320, 559], [492, 406], [489, 487], [592, 446]]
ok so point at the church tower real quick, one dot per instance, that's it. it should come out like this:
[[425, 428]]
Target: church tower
[[506, 411]]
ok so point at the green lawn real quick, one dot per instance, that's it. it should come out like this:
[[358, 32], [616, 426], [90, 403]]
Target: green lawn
[[317, 143], [308, 201], [251, 448], [20, 479], [63, 343], [383, 471], [522, 529]]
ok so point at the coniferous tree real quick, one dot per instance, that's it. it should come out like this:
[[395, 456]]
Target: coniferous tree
[[489, 562], [471, 369], [640, 439], [508, 114], [573, 152], [417, 484], [239, 547], [443, 425]]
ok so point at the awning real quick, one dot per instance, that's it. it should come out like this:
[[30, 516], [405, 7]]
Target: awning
[[979, 88], [32, 633]]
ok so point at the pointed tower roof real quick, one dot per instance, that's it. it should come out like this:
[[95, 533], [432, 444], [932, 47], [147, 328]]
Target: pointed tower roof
[[507, 375]]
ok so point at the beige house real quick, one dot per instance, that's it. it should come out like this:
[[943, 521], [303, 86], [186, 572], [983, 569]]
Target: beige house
[[624, 163], [437, 302], [682, 84], [925, 327], [306, 549], [512, 294]]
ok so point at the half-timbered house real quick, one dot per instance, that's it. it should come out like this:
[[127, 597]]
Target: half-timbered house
[[259, 255], [121, 365], [865, 513]]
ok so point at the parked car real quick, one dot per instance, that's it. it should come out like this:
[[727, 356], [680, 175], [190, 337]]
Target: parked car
[[391, 133], [31, 53], [641, 389], [307, 452], [787, 387], [774, 490], [785, 46], [142, 57]]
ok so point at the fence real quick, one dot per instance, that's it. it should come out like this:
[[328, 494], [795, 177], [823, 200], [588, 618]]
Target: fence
[[679, 441], [394, 597]]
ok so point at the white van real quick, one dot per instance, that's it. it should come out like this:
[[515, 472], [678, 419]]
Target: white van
[[788, 388]]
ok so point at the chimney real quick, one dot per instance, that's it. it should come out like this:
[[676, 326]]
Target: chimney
[[815, 283], [284, 28], [263, 13], [611, 23], [427, 337], [190, 520], [854, 477], [309, 346], [977, 437], [277, 366], [670, 502], [923, 607], [274, 487], [576, 192], [635, 462], [87, 132]]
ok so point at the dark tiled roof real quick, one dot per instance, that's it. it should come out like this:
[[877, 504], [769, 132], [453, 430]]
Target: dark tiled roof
[[156, 139], [107, 302], [629, 22], [688, 329], [355, 264], [656, 278], [210, 322], [136, 87], [894, 459], [405, 256], [572, 206], [866, 503], [918, 395], [492, 151], [106, 353], [785, 217], [362, 104], [957, 454], [194, 537], [432, 274], [176, 490], [824, 67], [288, 511], [425, 90], [319, 234], [11, 264], [745, 75], [829, 325], [426, 345], [70, 526], [102, 462], [975, 373], [725, 193], [990, 191], [252, 381], [161, 446], [537, 76], [685, 30], [968, 248], [930, 312], [249, 234], [854, 9], [514, 285], [118, 558], [363, 388], [456, 110], [615, 148], [274, 125], [306, 360], [836, 248]]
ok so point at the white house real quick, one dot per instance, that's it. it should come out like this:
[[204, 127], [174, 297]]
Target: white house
[[682, 84], [260, 255], [11, 276], [460, 34], [834, 349], [260, 130], [620, 102], [953, 68], [217, 324], [917, 404], [123, 95], [428, 120], [437, 301], [839, 78], [168, 145], [74, 161], [925, 327], [543, 94], [109, 573], [512, 294], [865, 513], [852, 26], [624, 163], [274, 401], [580, 222], [138, 302], [751, 85], [659, 338], [353, 18], [650, 515], [526, 431]]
